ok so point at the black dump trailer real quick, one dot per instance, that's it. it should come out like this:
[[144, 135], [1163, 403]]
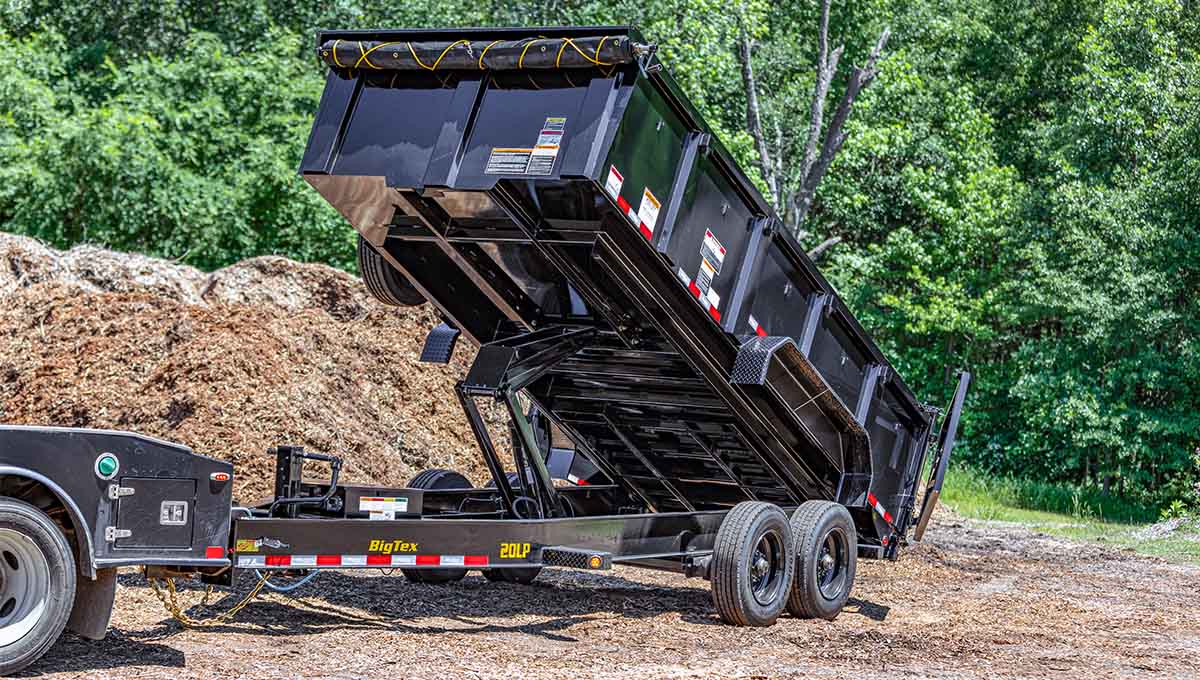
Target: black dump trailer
[[685, 390]]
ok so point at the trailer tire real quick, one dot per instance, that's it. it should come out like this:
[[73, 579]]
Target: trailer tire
[[826, 560], [383, 282], [37, 572], [430, 480], [752, 563]]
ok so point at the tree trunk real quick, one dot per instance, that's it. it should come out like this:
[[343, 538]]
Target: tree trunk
[[754, 115]]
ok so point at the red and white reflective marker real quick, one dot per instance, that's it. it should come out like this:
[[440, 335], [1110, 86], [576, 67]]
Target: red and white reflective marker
[[312, 561], [758, 329], [874, 502]]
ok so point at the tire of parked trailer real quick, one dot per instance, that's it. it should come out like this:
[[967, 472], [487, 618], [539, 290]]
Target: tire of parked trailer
[[826, 560], [752, 564], [37, 584], [383, 281], [430, 480]]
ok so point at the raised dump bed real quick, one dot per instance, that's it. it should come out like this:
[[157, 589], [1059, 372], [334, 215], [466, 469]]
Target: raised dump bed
[[555, 186]]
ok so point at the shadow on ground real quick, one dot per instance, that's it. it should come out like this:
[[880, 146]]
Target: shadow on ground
[[335, 601]]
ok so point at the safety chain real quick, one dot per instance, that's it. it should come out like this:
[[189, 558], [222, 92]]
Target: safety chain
[[170, 601]]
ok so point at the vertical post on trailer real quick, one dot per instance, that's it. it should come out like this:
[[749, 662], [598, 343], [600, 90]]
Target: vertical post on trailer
[[479, 428]]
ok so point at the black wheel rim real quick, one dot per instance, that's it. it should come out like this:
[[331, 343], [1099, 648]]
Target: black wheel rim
[[831, 563], [767, 567]]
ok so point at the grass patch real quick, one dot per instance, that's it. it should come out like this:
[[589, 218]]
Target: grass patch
[[1063, 510]]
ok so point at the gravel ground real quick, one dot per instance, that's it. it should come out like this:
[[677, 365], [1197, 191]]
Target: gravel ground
[[976, 600]]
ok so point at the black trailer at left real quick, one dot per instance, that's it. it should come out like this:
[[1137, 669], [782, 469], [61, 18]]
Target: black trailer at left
[[77, 504]]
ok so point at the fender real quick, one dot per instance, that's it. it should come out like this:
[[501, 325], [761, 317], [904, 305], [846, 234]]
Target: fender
[[87, 554]]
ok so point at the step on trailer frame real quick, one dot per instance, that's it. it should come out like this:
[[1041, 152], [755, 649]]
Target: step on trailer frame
[[684, 390]]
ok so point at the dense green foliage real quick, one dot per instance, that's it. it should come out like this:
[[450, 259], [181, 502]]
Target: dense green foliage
[[1017, 196]]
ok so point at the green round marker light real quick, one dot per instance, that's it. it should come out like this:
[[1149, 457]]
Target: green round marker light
[[106, 465]]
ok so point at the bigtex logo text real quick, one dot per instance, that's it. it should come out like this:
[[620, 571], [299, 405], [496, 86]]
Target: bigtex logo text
[[389, 547]]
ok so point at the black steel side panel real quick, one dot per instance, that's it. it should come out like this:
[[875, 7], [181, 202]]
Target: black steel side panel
[[155, 469]]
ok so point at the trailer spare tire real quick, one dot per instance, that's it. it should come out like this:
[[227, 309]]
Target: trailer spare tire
[[430, 480], [752, 563], [826, 559], [383, 281], [37, 584]]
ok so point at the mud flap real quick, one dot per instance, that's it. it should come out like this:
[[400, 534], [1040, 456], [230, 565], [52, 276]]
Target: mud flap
[[439, 344], [945, 446], [93, 605]]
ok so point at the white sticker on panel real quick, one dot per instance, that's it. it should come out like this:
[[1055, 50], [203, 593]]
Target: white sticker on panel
[[648, 210], [613, 184], [382, 508], [712, 250]]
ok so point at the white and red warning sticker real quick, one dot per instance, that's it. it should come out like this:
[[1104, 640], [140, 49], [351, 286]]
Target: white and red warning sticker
[[712, 258], [878, 507], [613, 184], [712, 251]]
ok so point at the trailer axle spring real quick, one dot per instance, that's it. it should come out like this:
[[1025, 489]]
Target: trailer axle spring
[[170, 600]]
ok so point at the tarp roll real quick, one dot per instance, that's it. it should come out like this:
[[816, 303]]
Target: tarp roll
[[527, 53]]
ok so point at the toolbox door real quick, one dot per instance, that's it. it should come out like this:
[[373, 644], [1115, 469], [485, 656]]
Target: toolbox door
[[157, 512]]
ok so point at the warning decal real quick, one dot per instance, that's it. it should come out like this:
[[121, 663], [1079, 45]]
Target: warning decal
[[508, 161], [712, 251], [538, 160], [382, 508], [541, 161], [613, 184], [648, 211], [712, 257]]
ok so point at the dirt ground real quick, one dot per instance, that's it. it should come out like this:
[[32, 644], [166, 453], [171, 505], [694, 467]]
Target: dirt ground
[[976, 600]]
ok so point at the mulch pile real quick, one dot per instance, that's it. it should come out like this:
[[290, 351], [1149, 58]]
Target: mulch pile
[[267, 351]]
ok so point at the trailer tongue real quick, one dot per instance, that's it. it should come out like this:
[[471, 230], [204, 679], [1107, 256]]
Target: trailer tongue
[[685, 391]]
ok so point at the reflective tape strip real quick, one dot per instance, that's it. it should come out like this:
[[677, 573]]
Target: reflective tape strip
[[633, 217], [309, 561], [874, 502]]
